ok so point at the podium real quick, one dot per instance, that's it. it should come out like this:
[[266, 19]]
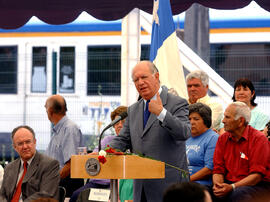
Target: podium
[[118, 167]]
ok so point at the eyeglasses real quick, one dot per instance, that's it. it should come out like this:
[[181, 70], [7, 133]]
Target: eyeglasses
[[20, 144]]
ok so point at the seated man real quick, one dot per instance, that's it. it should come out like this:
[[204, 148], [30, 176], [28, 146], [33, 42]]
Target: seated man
[[31, 176], [241, 158], [197, 87]]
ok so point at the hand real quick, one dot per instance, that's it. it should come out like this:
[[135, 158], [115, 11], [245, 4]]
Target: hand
[[221, 189], [65, 171], [155, 106]]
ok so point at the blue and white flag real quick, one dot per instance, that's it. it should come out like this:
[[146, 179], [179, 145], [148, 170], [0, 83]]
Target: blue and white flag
[[164, 51]]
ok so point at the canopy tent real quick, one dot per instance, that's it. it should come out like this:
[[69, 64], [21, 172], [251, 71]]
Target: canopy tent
[[15, 13]]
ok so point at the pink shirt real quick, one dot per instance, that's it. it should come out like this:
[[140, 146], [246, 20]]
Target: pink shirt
[[236, 160]]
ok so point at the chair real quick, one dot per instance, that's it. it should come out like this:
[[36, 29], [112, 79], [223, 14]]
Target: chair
[[62, 194]]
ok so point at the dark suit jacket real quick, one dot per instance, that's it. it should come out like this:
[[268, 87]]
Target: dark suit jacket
[[164, 141], [41, 179]]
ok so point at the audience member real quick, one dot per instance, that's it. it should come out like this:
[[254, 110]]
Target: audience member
[[201, 145], [244, 91], [31, 176], [197, 87], [241, 158], [157, 126], [186, 192], [125, 186], [65, 141]]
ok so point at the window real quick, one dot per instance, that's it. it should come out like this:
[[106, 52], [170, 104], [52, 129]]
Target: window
[[8, 69], [67, 70], [145, 52], [39, 70], [104, 70]]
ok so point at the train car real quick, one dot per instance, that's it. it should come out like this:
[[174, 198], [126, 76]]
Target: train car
[[86, 55]]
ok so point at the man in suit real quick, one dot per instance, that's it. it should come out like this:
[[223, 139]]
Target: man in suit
[[31, 176], [165, 117]]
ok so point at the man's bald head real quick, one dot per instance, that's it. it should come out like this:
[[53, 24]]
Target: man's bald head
[[57, 103]]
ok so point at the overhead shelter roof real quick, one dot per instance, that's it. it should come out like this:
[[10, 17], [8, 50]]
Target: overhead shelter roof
[[15, 13]]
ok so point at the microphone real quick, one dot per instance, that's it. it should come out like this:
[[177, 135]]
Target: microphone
[[120, 117]]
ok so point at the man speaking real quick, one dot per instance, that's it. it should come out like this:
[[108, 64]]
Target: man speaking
[[157, 126]]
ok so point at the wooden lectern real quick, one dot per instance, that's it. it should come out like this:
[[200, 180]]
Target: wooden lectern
[[119, 167]]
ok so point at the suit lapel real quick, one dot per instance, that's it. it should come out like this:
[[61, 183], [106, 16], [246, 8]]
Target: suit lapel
[[13, 180], [32, 168], [138, 121], [153, 117]]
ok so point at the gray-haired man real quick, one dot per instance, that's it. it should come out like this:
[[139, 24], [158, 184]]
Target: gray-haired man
[[197, 87]]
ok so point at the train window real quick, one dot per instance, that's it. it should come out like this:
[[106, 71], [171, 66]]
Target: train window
[[104, 70], [39, 70], [233, 61], [8, 69], [145, 52], [67, 70]]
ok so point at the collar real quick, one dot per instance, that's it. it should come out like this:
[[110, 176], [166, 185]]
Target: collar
[[244, 135], [58, 126], [29, 161], [204, 99]]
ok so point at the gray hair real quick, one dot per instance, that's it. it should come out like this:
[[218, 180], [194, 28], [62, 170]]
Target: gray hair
[[153, 67], [241, 110], [198, 74]]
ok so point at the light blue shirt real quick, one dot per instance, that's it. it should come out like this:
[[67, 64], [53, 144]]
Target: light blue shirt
[[258, 119], [200, 152], [67, 137]]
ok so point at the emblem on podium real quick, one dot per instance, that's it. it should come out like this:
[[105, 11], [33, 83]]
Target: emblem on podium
[[92, 166]]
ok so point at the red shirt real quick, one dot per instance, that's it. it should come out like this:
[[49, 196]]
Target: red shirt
[[236, 160]]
